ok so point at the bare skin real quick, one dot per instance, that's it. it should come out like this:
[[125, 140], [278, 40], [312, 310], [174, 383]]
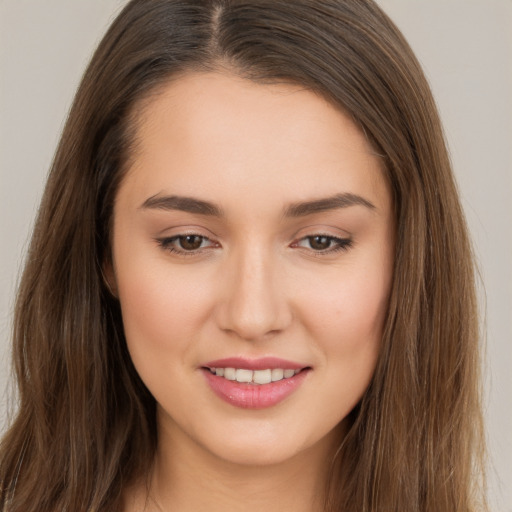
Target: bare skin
[[298, 484]]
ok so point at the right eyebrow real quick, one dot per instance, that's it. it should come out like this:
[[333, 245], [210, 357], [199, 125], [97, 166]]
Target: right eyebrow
[[182, 203]]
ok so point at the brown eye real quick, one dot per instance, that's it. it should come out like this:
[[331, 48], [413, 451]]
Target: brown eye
[[186, 245], [324, 244], [320, 243], [190, 242]]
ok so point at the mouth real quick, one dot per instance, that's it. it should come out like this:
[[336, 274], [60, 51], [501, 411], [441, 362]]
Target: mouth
[[256, 377], [254, 384]]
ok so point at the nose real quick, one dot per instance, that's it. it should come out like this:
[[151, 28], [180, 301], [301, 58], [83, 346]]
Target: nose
[[254, 304]]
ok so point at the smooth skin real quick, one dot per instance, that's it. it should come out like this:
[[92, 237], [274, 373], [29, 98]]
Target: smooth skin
[[268, 267]]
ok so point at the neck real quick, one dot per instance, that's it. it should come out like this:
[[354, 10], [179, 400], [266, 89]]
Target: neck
[[186, 477]]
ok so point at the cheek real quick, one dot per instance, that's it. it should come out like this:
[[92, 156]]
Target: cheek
[[162, 311], [349, 329], [348, 313], [346, 323], [345, 318]]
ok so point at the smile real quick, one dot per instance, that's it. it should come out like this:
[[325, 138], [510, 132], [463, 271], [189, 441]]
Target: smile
[[257, 377], [254, 384]]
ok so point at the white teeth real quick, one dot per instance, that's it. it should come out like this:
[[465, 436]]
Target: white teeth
[[244, 375], [230, 373], [277, 374], [262, 376], [256, 377]]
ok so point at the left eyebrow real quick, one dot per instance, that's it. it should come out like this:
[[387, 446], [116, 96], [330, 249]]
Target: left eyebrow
[[345, 200]]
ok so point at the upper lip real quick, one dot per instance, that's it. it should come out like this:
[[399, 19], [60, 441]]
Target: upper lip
[[262, 363]]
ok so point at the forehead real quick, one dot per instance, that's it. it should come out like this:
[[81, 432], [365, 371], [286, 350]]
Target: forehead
[[218, 133]]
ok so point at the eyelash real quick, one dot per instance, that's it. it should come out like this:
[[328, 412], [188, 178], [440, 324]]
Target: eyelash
[[340, 244]]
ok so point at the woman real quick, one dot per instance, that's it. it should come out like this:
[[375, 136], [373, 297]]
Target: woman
[[250, 283]]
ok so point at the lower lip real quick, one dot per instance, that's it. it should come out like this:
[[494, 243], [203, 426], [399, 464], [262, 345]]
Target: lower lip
[[253, 396]]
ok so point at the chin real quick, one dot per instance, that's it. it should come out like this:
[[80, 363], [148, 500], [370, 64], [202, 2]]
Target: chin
[[253, 454], [266, 445]]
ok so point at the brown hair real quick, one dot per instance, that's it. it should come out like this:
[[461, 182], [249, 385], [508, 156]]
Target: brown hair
[[85, 427]]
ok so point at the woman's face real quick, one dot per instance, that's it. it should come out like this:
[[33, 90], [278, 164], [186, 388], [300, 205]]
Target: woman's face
[[253, 240]]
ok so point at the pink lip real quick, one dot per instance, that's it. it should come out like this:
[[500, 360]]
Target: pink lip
[[254, 396], [262, 363]]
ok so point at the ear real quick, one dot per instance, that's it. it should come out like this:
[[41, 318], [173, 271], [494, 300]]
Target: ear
[[109, 277]]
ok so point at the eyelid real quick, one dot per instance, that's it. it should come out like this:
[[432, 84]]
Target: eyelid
[[184, 230]]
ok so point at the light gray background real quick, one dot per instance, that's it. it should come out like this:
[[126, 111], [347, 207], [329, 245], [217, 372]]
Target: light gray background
[[465, 47]]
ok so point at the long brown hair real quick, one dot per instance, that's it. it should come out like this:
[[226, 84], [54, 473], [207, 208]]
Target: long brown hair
[[85, 426]]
